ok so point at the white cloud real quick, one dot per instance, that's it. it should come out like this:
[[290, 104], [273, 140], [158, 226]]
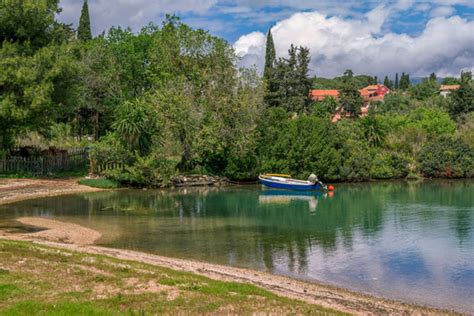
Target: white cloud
[[129, 13], [444, 46], [442, 11], [250, 48]]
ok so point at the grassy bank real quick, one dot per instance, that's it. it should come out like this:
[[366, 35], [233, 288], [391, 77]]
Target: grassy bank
[[37, 279]]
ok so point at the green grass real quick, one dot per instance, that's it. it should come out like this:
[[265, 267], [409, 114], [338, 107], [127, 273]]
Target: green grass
[[41, 280], [100, 183]]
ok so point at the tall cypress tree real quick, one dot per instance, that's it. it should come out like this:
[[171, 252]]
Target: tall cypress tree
[[270, 56], [386, 82], [396, 81], [84, 29]]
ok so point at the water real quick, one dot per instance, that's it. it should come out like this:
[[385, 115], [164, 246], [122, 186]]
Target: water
[[407, 241]]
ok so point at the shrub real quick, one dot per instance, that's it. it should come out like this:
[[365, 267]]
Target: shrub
[[153, 170], [446, 157], [109, 150], [100, 183]]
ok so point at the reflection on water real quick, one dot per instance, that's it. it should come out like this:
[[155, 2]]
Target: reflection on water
[[413, 242], [287, 196]]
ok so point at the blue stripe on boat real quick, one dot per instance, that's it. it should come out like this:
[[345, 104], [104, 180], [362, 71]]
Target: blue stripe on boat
[[290, 186]]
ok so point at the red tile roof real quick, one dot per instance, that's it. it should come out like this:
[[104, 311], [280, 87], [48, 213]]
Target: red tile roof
[[447, 87]]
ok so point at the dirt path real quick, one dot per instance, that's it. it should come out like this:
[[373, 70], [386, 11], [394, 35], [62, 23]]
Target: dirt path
[[13, 190], [78, 238]]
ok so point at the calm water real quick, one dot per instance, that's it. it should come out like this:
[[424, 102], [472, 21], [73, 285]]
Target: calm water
[[413, 242]]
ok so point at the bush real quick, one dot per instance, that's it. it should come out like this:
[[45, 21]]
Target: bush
[[100, 183], [389, 165], [446, 157], [152, 170], [109, 149]]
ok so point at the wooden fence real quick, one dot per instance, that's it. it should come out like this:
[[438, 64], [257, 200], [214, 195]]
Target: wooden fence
[[44, 165], [100, 168]]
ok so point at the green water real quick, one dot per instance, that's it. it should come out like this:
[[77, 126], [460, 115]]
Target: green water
[[407, 241]]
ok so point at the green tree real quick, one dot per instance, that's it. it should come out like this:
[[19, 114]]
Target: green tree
[[446, 157], [84, 28], [387, 82], [349, 96], [270, 56], [433, 77], [396, 81], [135, 121], [426, 89], [462, 100], [405, 81], [374, 130], [31, 24]]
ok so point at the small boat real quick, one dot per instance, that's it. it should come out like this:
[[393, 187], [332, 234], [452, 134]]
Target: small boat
[[284, 181]]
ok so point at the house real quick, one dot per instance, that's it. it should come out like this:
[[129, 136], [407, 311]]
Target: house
[[320, 95], [369, 94], [446, 89], [375, 92]]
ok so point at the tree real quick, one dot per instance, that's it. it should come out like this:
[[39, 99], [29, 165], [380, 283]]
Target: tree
[[462, 100], [349, 97], [427, 88], [387, 82], [374, 130], [396, 81], [433, 77], [30, 24], [84, 28], [289, 83], [269, 56], [405, 81]]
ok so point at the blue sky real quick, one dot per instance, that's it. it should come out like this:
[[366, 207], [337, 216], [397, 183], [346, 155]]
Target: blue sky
[[408, 26]]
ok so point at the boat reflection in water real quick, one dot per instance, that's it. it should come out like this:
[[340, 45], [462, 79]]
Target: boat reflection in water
[[287, 196]]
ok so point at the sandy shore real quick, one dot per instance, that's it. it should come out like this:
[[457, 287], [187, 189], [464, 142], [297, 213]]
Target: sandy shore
[[78, 238], [13, 190]]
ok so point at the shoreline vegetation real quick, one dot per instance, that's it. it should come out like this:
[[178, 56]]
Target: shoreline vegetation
[[168, 100], [68, 246]]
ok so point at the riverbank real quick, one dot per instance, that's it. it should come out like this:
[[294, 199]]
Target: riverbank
[[13, 190], [309, 293]]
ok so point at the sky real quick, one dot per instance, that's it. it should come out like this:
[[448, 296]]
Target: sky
[[370, 37]]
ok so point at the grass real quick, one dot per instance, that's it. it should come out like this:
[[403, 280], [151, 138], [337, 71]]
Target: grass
[[49, 281], [100, 183]]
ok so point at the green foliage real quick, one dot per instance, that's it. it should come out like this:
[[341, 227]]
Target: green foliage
[[31, 24], [389, 165], [388, 83], [446, 157], [462, 99], [374, 130], [404, 81], [300, 146], [360, 82], [99, 183], [426, 89], [84, 28], [153, 170], [324, 108], [135, 121], [289, 83], [169, 99], [349, 96], [270, 56], [110, 149]]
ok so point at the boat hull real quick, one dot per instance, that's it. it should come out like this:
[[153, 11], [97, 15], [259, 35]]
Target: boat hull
[[290, 186]]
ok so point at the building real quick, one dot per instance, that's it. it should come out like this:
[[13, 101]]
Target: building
[[375, 92], [446, 89], [320, 95], [371, 93]]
